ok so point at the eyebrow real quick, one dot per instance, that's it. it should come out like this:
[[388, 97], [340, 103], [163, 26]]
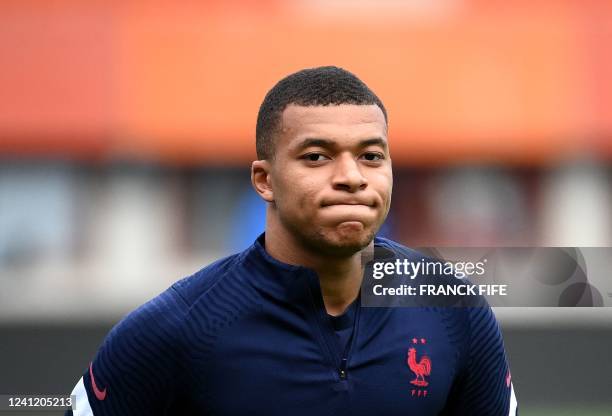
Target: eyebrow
[[330, 144]]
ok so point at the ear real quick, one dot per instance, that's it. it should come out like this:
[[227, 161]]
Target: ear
[[260, 178]]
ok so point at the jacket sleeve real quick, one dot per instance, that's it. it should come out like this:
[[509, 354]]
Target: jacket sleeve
[[484, 387], [137, 369]]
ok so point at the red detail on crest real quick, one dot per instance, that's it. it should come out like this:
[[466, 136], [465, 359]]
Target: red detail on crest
[[508, 379], [414, 341], [423, 341], [100, 394], [420, 368]]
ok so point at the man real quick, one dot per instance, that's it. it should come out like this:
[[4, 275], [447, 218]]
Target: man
[[278, 329]]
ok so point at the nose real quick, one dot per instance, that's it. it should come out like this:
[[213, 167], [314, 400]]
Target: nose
[[347, 174]]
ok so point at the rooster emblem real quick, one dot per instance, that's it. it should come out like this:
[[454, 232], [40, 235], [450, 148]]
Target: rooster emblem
[[420, 368]]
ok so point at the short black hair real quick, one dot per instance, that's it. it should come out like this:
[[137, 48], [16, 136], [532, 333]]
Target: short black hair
[[325, 85]]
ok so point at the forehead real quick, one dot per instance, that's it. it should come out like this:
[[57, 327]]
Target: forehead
[[345, 121]]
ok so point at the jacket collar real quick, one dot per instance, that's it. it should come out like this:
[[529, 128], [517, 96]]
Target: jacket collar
[[279, 278]]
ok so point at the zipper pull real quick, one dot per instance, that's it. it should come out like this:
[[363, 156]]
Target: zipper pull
[[342, 372]]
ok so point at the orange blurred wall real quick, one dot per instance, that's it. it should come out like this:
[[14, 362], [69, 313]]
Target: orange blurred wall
[[181, 83]]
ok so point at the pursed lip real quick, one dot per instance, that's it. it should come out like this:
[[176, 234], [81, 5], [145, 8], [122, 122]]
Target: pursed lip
[[350, 202]]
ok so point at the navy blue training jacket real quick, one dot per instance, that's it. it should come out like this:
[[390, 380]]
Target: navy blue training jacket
[[249, 335]]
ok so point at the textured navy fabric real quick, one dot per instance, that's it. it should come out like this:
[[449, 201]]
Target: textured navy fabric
[[344, 324], [249, 335]]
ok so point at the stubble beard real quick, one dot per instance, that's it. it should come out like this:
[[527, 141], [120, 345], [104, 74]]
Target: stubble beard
[[331, 243]]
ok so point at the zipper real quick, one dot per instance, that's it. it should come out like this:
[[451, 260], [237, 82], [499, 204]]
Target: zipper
[[343, 367], [338, 359], [342, 371]]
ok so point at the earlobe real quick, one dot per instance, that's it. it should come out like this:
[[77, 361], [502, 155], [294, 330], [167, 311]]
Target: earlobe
[[260, 178]]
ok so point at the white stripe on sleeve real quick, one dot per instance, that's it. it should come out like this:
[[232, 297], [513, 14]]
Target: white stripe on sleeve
[[80, 404], [513, 402]]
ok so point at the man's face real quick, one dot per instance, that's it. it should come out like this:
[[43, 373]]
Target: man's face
[[331, 176]]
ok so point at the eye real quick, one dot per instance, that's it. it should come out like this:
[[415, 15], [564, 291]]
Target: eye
[[315, 157], [372, 156]]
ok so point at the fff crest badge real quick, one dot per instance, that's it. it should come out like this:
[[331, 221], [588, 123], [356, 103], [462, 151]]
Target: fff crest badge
[[420, 365]]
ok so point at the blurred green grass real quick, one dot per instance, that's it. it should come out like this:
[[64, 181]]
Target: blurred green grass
[[565, 411]]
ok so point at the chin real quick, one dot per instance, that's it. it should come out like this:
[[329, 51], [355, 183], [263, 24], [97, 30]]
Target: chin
[[342, 239], [344, 242]]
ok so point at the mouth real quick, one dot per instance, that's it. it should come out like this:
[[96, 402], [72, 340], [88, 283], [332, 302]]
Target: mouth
[[347, 204], [349, 212]]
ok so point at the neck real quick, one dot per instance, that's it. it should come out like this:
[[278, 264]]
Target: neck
[[339, 277]]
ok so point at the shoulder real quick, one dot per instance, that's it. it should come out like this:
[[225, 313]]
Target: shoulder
[[398, 249], [216, 296], [192, 288], [150, 326], [483, 327], [473, 315], [163, 316]]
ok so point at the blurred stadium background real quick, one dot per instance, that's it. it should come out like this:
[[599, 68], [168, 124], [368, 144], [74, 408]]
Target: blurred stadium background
[[126, 132]]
